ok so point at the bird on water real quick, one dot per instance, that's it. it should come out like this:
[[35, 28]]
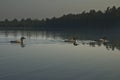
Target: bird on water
[[18, 41]]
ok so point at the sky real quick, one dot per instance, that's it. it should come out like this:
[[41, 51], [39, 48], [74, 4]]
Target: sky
[[38, 9]]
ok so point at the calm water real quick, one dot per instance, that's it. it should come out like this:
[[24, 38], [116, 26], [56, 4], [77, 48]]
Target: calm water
[[45, 56]]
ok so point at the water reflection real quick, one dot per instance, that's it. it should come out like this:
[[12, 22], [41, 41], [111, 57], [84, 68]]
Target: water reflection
[[82, 38], [22, 45]]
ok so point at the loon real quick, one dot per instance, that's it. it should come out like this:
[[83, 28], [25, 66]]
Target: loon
[[16, 41], [73, 40], [104, 39]]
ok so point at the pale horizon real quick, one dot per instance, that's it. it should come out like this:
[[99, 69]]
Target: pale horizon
[[39, 9]]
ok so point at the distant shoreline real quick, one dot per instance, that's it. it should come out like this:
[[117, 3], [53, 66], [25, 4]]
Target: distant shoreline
[[110, 18]]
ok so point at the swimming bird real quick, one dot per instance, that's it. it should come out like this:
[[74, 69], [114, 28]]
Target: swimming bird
[[104, 39], [18, 41], [73, 40]]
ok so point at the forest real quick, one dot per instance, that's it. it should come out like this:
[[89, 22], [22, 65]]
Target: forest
[[110, 18]]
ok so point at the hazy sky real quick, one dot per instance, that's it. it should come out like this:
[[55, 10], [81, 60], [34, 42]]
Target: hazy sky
[[48, 8]]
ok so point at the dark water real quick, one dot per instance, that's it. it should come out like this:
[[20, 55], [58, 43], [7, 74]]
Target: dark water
[[45, 56]]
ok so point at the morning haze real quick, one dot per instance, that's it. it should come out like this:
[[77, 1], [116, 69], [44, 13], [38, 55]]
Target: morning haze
[[39, 9]]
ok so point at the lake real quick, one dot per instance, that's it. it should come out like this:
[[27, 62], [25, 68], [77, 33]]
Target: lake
[[45, 55]]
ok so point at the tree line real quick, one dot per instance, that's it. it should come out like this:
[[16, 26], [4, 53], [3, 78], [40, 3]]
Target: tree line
[[85, 20]]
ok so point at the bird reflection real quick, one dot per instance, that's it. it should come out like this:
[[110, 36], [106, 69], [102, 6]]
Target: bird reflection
[[22, 45], [75, 43]]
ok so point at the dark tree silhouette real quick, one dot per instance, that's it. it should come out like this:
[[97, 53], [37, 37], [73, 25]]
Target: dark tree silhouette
[[93, 19]]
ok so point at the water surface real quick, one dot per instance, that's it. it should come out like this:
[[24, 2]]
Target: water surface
[[45, 56]]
